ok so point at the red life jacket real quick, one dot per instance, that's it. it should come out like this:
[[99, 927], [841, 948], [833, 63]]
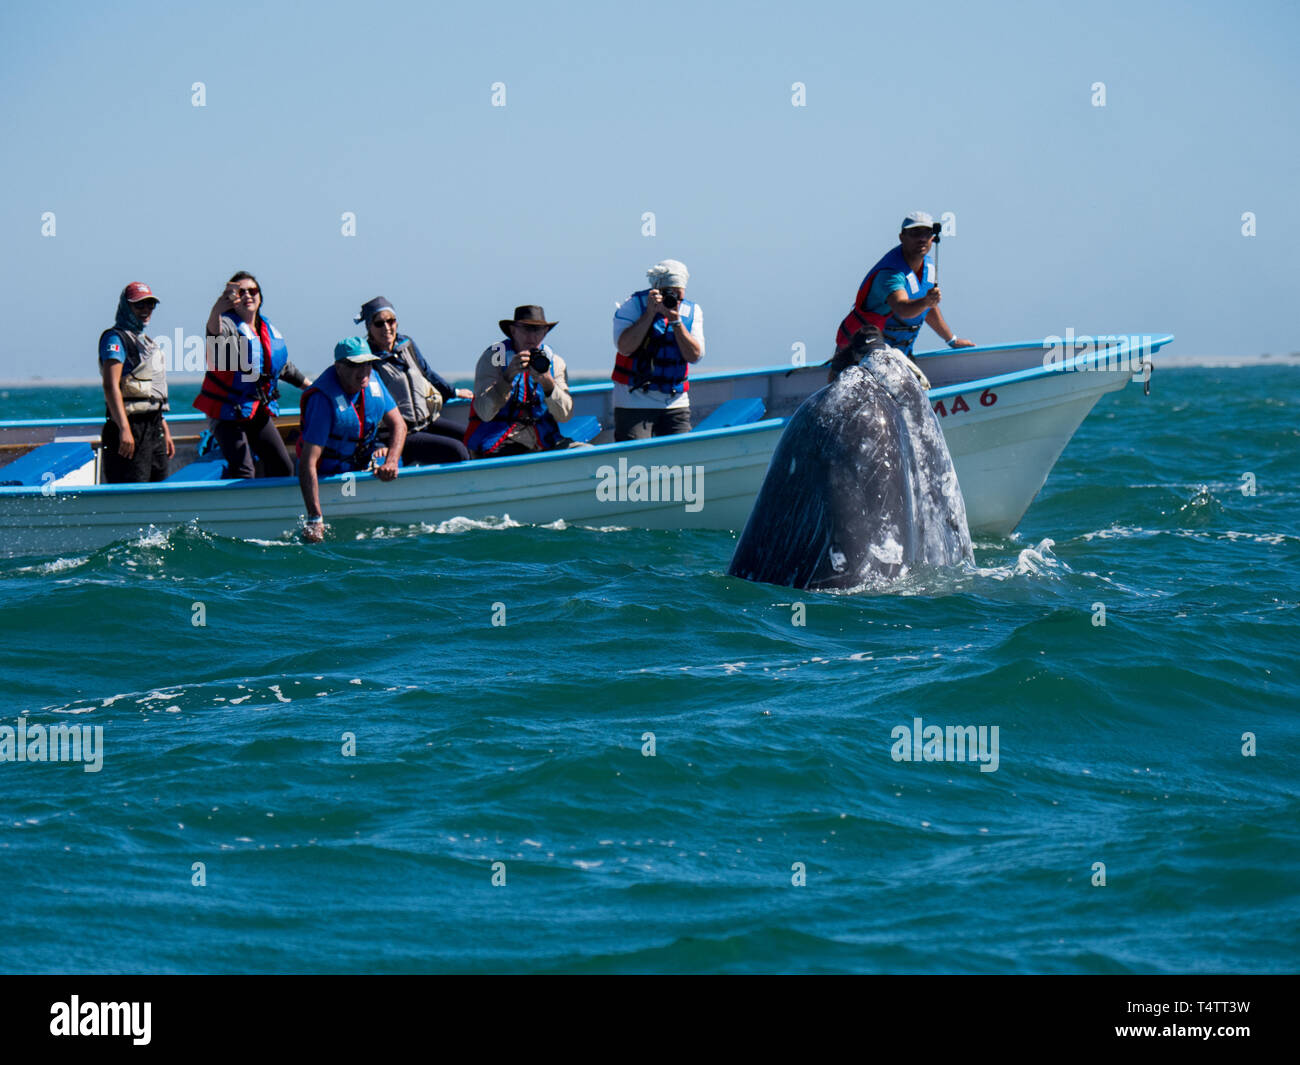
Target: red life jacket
[[657, 364], [898, 332], [230, 394]]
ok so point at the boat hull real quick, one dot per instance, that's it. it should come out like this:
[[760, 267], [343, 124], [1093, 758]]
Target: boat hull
[[728, 467]]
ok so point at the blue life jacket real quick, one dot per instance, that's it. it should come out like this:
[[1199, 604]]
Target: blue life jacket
[[354, 430], [228, 393], [658, 363], [526, 406], [899, 333]]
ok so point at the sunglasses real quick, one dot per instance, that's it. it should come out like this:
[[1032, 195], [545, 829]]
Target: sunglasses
[[240, 293], [384, 321]]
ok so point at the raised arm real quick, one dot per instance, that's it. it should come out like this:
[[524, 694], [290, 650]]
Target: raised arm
[[632, 337], [905, 308], [224, 303], [687, 342]]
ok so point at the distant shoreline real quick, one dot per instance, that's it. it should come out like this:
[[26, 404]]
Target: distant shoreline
[[1230, 361]]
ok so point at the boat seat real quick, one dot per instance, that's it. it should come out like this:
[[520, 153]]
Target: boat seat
[[59, 458], [581, 429], [734, 412], [199, 471]]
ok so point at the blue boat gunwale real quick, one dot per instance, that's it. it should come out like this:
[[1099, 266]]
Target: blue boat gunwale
[[1157, 342], [1078, 364]]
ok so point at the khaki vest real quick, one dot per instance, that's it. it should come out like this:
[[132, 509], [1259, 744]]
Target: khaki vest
[[144, 386], [416, 398]]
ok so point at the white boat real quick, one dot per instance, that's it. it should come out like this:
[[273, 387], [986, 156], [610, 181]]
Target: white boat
[[1007, 413]]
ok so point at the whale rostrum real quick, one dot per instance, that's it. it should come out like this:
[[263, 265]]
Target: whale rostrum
[[861, 486]]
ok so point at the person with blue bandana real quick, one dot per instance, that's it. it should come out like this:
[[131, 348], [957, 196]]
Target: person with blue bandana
[[136, 442], [899, 295], [658, 335], [417, 389], [521, 391], [342, 413]]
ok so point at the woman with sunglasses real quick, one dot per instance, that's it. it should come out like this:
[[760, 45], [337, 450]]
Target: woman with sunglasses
[[247, 357], [418, 391]]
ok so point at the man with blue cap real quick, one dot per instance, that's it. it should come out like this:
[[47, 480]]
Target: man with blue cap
[[900, 294], [342, 413]]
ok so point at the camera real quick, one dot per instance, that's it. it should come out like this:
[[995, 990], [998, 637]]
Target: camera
[[539, 361], [671, 300]]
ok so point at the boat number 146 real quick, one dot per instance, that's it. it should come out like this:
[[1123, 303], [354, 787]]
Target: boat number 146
[[959, 404]]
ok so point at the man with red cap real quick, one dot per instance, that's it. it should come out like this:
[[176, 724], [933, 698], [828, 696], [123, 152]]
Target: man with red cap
[[136, 443]]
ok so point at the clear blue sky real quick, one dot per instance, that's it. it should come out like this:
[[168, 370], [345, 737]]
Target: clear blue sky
[[1123, 218]]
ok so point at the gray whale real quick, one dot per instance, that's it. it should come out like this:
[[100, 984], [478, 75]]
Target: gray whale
[[860, 488]]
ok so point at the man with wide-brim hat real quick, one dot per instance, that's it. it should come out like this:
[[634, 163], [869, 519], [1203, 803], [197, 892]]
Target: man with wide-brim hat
[[521, 390], [529, 314]]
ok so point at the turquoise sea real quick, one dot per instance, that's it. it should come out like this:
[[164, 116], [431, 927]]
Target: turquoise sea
[[770, 830]]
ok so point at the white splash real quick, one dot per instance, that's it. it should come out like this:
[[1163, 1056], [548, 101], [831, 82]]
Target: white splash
[[890, 552]]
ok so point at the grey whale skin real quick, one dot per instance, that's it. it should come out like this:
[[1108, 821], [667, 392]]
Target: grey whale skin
[[861, 486]]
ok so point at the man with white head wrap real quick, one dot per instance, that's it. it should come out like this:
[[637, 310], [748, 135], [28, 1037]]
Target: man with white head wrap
[[658, 334]]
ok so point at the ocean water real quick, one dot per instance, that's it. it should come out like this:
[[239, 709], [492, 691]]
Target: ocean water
[[501, 811]]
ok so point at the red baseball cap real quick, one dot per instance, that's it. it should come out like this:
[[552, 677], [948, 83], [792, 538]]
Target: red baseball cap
[[137, 291]]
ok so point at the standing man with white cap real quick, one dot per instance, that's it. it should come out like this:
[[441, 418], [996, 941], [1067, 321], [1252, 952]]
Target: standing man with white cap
[[900, 293], [658, 334]]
